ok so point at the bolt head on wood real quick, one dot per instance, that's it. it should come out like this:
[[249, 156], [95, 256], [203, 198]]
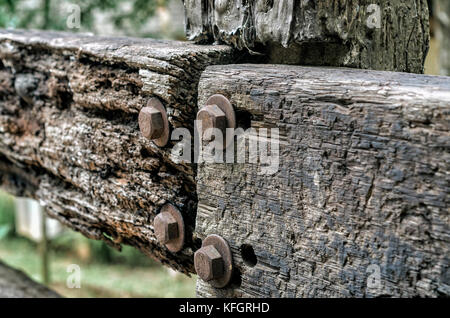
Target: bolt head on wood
[[214, 262], [212, 116], [151, 122], [209, 263], [169, 228], [166, 227]]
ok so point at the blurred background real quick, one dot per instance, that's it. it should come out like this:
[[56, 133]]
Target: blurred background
[[141, 18], [41, 247], [44, 253]]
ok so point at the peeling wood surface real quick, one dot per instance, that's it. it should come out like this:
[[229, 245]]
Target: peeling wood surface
[[69, 133], [364, 179], [318, 32], [15, 284]]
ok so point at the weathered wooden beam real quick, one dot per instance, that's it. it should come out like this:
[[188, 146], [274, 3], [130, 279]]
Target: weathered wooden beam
[[362, 186], [69, 132], [363, 177], [15, 284], [370, 34]]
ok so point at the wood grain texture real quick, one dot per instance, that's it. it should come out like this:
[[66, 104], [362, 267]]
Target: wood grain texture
[[318, 32], [69, 132], [15, 284], [364, 178]]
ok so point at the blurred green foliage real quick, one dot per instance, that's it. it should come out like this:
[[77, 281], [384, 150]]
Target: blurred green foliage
[[73, 243], [70, 242], [6, 215], [52, 14], [98, 279]]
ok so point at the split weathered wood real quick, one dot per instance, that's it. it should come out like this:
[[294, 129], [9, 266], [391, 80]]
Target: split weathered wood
[[15, 284], [362, 188], [370, 34], [69, 133]]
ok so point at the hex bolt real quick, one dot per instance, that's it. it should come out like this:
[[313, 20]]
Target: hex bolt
[[169, 228], [151, 122], [212, 116], [218, 113], [166, 228], [209, 264], [213, 262], [154, 123]]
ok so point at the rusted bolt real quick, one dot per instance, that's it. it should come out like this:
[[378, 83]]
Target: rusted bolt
[[208, 263], [169, 228], [212, 116], [166, 227], [213, 261], [153, 122], [218, 113]]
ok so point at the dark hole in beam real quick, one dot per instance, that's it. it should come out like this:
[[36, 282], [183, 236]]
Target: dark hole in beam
[[244, 119], [248, 255]]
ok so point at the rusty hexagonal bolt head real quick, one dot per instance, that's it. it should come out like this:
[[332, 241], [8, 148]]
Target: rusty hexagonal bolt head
[[212, 116], [169, 228], [166, 227], [151, 122], [214, 261], [208, 263]]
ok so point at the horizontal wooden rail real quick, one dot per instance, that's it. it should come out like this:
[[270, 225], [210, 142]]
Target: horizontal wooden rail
[[362, 187], [69, 132]]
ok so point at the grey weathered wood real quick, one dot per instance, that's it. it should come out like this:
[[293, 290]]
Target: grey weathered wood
[[364, 178], [318, 32], [69, 133], [15, 284]]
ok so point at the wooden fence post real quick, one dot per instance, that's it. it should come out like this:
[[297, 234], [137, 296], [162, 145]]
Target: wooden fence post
[[369, 34]]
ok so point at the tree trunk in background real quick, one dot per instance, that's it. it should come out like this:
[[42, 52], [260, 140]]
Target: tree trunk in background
[[442, 12], [368, 34]]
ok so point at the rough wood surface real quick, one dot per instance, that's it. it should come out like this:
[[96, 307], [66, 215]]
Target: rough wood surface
[[69, 132], [318, 32], [364, 179], [15, 284]]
